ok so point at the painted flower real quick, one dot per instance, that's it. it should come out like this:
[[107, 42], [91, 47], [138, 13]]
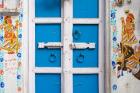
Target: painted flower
[[1, 38], [19, 54], [2, 85], [1, 59], [18, 76]]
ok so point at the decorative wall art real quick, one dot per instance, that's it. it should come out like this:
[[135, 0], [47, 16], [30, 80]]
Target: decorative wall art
[[1, 3], [11, 65], [9, 4], [125, 43]]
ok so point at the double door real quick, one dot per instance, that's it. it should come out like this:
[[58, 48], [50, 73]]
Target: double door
[[66, 46]]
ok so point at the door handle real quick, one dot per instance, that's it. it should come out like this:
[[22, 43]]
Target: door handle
[[73, 45], [52, 57], [80, 58], [76, 34]]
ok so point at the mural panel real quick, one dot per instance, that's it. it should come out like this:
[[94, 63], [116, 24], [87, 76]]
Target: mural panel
[[125, 43], [11, 65]]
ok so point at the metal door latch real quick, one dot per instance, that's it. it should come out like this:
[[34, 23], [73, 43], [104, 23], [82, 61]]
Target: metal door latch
[[83, 45], [73, 45], [49, 45]]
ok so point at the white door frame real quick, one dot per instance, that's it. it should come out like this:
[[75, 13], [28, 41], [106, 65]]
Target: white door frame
[[66, 70], [25, 47], [107, 49]]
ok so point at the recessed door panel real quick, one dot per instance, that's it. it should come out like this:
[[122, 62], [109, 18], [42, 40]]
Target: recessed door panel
[[48, 83], [85, 33], [86, 8], [85, 84], [47, 8], [48, 33], [85, 58]]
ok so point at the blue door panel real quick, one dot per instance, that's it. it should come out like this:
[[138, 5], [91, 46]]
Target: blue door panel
[[86, 8], [48, 83], [85, 33], [85, 57], [47, 57], [48, 33], [85, 84], [48, 8]]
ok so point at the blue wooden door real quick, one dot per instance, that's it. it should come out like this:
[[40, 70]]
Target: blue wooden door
[[66, 46]]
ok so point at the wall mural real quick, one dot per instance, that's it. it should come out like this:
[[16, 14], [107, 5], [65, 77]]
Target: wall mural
[[125, 53], [11, 75]]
